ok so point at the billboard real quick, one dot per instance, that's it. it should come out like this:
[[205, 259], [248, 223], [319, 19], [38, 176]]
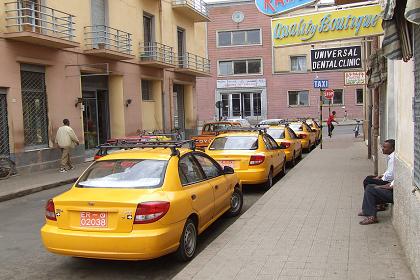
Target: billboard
[[354, 78], [336, 58], [275, 7], [327, 26]]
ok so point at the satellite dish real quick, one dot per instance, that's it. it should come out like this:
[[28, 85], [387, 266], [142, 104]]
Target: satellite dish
[[238, 17]]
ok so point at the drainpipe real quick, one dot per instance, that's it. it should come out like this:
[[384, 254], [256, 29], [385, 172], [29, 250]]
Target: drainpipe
[[375, 44]]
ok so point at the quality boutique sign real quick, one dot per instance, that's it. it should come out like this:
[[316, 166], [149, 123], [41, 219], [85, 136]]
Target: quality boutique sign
[[275, 7], [336, 58], [327, 26]]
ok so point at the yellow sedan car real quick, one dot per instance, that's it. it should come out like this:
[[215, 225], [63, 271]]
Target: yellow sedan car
[[288, 141], [140, 204], [305, 134], [316, 128], [253, 154]]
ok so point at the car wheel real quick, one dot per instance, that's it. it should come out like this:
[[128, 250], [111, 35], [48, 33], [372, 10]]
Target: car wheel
[[283, 171], [188, 242], [236, 203], [269, 182], [293, 162]]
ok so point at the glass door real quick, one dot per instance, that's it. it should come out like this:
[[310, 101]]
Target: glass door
[[90, 120]]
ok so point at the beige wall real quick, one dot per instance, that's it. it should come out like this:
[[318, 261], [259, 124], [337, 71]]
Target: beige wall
[[116, 106], [404, 92], [152, 109]]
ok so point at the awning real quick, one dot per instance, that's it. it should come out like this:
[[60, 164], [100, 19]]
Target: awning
[[397, 35], [412, 11]]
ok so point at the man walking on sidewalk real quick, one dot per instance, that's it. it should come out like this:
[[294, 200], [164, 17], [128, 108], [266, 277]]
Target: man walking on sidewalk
[[330, 120], [66, 140]]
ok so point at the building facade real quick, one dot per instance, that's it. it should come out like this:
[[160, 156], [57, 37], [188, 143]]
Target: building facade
[[255, 80], [113, 68]]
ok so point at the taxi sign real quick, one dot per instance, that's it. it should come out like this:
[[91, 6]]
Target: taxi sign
[[320, 83]]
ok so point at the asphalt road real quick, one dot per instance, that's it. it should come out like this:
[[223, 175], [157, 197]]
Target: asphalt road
[[22, 255]]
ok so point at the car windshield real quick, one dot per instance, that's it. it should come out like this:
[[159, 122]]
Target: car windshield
[[276, 133], [296, 127], [235, 143], [127, 173]]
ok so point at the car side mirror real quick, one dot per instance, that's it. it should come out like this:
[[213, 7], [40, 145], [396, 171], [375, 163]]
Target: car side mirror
[[228, 170]]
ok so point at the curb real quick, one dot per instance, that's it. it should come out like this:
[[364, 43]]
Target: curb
[[21, 193]]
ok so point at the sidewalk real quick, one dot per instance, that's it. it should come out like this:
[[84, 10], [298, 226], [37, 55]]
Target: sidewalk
[[21, 185], [306, 227]]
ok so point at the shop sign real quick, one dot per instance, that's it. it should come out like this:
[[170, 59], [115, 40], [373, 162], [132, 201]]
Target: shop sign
[[354, 78], [327, 26], [275, 7], [243, 83], [336, 58]]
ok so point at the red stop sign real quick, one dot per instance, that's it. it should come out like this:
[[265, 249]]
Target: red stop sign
[[329, 93]]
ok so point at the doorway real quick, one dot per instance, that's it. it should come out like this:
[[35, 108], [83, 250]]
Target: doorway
[[179, 107], [4, 126], [95, 118]]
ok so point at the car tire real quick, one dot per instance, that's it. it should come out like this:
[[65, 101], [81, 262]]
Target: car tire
[[283, 171], [236, 203], [188, 242], [293, 162], [269, 183]]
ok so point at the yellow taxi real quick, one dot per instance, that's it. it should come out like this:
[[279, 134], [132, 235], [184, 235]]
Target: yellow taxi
[[315, 127], [305, 134], [141, 203], [287, 139], [252, 153]]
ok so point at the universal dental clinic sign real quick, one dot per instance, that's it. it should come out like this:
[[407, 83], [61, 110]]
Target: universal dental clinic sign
[[336, 58], [327, 26]]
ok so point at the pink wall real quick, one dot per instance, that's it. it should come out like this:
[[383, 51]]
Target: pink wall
[[277, 84]]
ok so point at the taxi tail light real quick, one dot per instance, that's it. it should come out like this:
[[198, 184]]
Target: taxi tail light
[[285, 145], [97, 157], [50, 211], [256, 160], [302, 136], [149, 212]]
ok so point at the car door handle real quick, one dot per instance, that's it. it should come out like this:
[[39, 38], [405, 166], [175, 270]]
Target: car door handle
[[193, 197]]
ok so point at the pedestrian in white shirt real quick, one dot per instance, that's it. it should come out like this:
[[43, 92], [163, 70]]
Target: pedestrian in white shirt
[[388, 148], [66, 139]]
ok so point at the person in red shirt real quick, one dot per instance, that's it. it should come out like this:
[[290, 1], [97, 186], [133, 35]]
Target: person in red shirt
[[330, 121]]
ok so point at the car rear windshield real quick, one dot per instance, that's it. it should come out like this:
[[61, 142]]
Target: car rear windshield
[[130, 173], [296, 127], [235, 143], [276, 133]]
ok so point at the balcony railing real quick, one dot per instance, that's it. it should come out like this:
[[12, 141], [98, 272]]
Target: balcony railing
[[107, 38], [30, 16], [157, 52], [197, 5], [194, 62]]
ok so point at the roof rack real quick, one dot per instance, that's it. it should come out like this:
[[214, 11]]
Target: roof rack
[[132, 144], [250, 129]]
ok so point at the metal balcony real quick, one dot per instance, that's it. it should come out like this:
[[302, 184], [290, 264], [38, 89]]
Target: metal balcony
[[108, 42], [157, 55], [194, 9], [194, 65], [30, 22]]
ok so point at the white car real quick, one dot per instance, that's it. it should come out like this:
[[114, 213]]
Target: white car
[[243, 122], [269, 122]]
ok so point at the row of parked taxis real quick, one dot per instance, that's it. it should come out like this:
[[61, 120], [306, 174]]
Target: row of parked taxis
[[151, 198]]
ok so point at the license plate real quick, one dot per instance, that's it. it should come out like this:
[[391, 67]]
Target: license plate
[[229, 163], [94, 219]]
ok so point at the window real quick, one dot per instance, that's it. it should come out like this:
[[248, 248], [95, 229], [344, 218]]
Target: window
[[359, 96], [148, 29], [276, 133], [210, 169], [239, 38], [292, 134], [298, 63], [34, 103], [337, 100], [189, 171], [235, 143], [146, 90], [299, 98], [240, 67], [242, 104]]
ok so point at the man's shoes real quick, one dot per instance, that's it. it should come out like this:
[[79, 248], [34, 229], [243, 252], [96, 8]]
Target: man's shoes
[[70, 168], [361, 214], [62, 170], [369, 220]]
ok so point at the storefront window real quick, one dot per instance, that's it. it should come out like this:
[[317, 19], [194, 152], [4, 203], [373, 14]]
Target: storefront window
[[242, 105]]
